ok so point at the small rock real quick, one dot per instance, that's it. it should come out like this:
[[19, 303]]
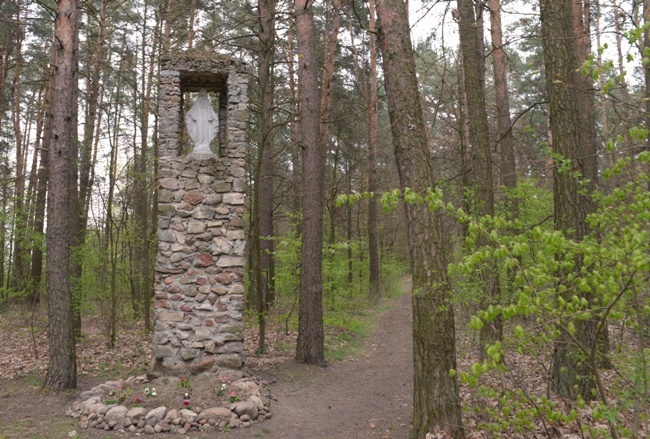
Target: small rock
[[157, 428], [72, 433], [258, 401], [246, 386], [87, 395], [148, 429], [136, 413], [245, 408], [188, 415], [246, 424], [216, 414], [158, 413], [244, 418], [171, 415], [116, 415]]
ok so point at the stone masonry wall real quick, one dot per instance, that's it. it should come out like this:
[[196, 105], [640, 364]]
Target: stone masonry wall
[[199, 282]]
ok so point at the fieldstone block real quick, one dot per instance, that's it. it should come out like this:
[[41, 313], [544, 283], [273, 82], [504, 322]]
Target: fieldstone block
[[188, 354], [236, 289], [162, 351], [229, 361], [239, 185], [203, 212], [234, 198], [193, 197], [222, 187], [235, 234], [203, 334], [202, 366], [170, 316], [230, 261]]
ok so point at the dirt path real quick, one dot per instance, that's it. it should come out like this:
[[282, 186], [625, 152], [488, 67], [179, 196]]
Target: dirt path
[[366, 397]]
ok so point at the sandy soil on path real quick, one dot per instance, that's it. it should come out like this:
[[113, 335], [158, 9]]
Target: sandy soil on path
[[369, 396]]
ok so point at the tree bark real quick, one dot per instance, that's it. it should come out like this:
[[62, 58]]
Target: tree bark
[[373, 138], [93, 88], [190, 31], [480, 138], [436, 401], [506, 147], [41, 188], [142, 282], [18, 280], [264, 179], [62, 370], [294, 129], [368, 89], [571, 374], [310, 348], [646, 67]]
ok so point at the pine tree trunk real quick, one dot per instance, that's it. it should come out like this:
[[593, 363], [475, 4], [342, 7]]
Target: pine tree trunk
[[264, 179], [488, 273], [372, 113], [571, 371], [190, 31], [310, 347], [18, 280], [506, 147], [41, 189], [294, 129], [62, 370], [436, 401]]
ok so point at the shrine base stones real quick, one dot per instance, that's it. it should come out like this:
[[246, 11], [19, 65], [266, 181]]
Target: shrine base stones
[[139, 406]]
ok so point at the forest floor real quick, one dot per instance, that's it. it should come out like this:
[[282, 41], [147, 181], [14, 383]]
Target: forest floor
[[366, 394]]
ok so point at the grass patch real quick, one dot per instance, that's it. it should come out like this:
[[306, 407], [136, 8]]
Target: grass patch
[[34, 381]]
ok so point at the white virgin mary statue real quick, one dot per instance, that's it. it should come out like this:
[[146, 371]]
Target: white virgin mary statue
[[202, 123]]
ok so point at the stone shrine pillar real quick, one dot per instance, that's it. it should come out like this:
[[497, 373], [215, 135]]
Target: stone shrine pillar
[[199, 281]]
